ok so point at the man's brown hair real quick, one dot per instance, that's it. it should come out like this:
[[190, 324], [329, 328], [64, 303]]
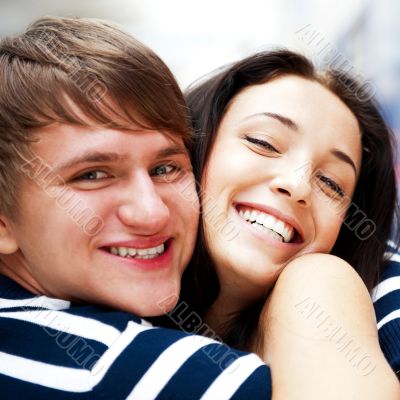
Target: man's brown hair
[[79, 71]]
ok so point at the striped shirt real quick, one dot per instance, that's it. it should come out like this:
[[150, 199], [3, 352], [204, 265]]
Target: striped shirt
[[386, 297], [54, 349]]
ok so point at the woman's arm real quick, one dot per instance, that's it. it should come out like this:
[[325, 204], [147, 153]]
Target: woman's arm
[[318, 334]]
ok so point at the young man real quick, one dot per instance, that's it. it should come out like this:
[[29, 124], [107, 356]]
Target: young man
[[98, 219]]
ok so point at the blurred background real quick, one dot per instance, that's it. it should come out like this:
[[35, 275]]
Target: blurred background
[[196, 37]]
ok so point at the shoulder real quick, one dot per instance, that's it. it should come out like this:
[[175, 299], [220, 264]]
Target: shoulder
[[162, 362], [321, 265], [320, 317], [87, 349], [324, 275], [326, 287]]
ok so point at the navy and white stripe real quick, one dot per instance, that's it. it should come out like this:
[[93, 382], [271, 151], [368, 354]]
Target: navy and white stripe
[[50, 348], [386, 297]]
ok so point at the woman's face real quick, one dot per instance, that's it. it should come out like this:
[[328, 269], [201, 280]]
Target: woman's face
[[279, 177]]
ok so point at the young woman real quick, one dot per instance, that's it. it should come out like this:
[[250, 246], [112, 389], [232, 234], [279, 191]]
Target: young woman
[[292, 162]]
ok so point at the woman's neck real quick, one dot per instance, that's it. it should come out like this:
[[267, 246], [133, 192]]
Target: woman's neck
[[228, 303]]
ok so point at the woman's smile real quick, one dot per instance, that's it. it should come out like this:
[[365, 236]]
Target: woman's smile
[[273, 222]]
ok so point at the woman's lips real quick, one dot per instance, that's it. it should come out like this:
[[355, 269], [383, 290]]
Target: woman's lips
[[285, 225], [291, 248]]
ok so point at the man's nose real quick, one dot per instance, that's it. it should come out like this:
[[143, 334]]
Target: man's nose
[[294, 183], [142, 207]]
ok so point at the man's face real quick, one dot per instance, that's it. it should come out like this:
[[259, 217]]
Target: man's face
[[112, 219]]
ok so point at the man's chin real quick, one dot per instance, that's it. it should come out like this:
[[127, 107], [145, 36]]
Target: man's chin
[[162, 306], [158, 305]]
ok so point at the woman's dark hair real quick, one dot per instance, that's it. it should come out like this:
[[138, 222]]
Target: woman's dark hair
[[363, 237]]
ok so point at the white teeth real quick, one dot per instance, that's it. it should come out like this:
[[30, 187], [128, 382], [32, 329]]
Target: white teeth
[[267, 223], [279, 227], [286, 232], [122, 251], [276, 235], [260, 218], [269, 231], [144, 254], [132, 252]]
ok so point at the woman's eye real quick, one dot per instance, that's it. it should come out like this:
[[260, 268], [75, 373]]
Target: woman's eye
[[91, 176], [262, 143], [331, 185]]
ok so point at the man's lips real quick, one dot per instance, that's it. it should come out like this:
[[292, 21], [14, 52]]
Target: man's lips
[[139, 243], [287, 219], [139, 248], [151, 257]]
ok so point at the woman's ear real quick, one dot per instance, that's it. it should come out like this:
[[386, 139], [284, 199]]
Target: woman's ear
[[8, 242]]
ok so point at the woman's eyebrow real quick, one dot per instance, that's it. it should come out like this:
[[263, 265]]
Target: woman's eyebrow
[[289, 123], [293, 126], [344, 157]]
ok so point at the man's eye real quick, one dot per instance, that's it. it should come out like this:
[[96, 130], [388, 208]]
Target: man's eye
[[331, 185], [169, 171], [163, 170], [262, 143], [92, 176]]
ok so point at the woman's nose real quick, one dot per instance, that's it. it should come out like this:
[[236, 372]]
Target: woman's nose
[[294, 184], [142, 207]]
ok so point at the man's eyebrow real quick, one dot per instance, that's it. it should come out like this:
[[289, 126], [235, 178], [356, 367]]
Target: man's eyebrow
[[279, 117], [98, 157], [175, 149], [91, 157], [344, 157]]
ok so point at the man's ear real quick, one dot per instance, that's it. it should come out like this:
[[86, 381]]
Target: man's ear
[[8, 242]]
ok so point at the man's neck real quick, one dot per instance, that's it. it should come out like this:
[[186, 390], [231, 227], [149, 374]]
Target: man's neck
[[19, 275]]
